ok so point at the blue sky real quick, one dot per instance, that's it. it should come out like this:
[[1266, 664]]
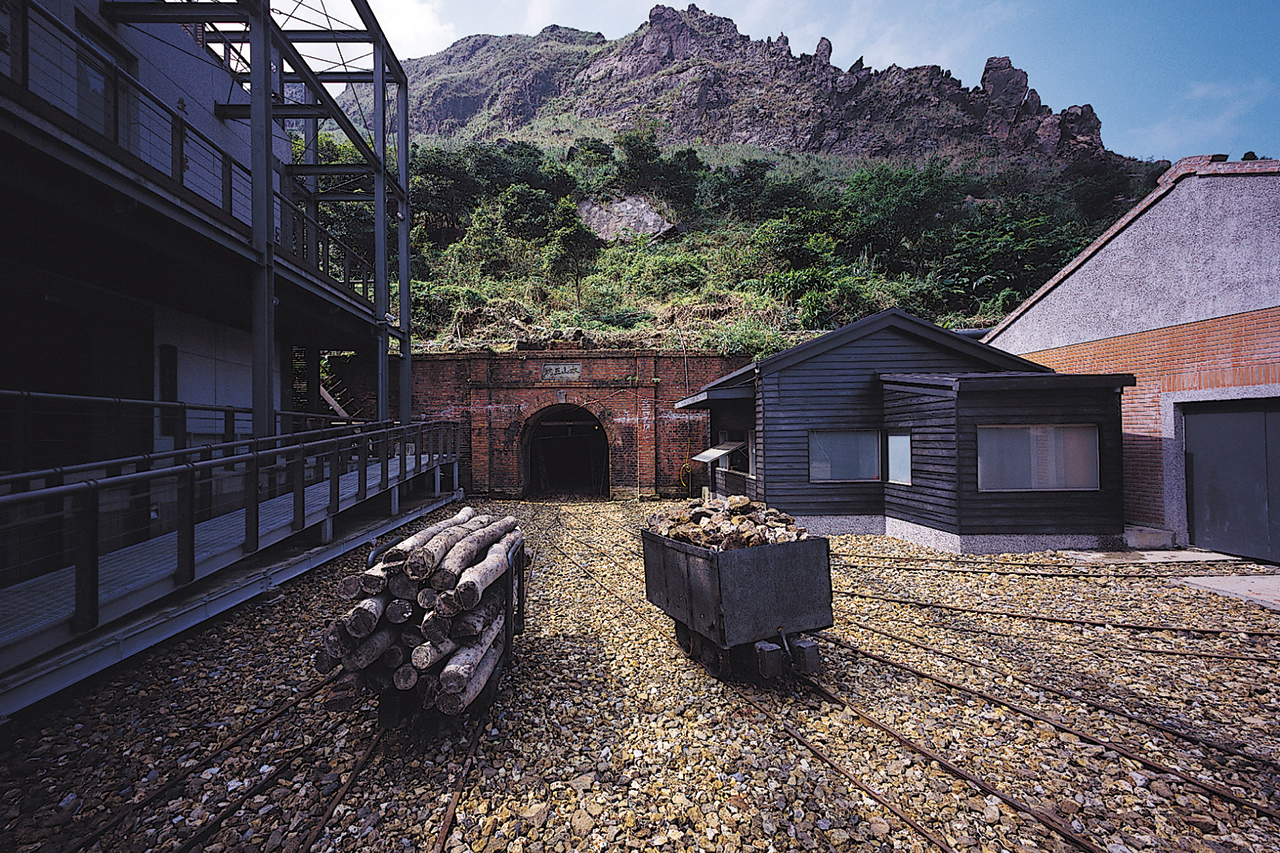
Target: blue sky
[[1168, 79]]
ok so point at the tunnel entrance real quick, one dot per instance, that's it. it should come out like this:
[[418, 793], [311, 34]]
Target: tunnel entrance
[[566, 452]]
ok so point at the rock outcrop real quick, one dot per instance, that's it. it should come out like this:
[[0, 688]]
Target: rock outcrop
[[623, 218], [704, 81]]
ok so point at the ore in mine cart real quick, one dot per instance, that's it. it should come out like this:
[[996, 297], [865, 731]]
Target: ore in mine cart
[[433, 620], [743, 597]]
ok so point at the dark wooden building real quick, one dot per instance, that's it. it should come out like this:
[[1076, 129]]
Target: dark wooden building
[[994, 462], [894, 425]]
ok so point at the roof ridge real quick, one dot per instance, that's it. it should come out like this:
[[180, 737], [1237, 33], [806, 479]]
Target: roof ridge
[[1200, 165]]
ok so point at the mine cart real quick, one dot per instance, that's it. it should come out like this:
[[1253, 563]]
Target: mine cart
[[743, 611]]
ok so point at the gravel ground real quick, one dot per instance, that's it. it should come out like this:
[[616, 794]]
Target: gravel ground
[[605, 737]]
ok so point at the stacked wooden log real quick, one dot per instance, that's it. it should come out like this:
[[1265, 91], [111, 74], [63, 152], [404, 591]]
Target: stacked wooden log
[[726, 524], [428, 625]]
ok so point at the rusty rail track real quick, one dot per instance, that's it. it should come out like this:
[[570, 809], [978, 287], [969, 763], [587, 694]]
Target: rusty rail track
[[1114, 710], [1120, 748], [850, 560], [1062, 620]]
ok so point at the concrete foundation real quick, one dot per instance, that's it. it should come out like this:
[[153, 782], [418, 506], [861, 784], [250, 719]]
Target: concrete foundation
[[998, 544]]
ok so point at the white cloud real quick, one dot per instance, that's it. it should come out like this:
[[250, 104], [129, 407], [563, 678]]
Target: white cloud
[[1210, 117], [415, 27], [921, 32]]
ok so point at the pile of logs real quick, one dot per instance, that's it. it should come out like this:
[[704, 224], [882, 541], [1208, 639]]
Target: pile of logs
[[726, 524], [428, 626]]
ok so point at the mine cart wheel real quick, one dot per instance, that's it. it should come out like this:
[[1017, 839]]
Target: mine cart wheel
[[718, 661], [684, 637]]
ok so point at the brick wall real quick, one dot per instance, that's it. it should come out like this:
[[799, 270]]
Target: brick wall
[[1226, 352], [631, 392]]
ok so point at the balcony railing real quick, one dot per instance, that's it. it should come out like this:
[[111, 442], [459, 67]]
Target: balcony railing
[[77, 555], [58, 431], [85, 83]]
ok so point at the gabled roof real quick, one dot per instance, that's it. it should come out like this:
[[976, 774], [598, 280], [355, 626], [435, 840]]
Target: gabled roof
[[1010, 381], [1206, 165], [893, 318]]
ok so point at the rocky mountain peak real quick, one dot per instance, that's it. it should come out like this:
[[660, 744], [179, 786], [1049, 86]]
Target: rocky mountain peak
[[701, 79]]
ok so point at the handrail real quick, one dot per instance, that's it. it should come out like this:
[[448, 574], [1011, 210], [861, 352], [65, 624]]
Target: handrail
[[126, 401], [67, 489], [74, 527], [288, 439], [317, 253], [163, 404]]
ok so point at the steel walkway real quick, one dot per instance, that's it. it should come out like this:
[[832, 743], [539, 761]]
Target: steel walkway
[[37, 606]]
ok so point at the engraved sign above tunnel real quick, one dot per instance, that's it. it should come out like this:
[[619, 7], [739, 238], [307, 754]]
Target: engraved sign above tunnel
[[562, 371]]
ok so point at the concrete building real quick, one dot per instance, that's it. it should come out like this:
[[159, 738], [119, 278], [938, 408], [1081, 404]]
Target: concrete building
[[168, 289], [1184, 293]]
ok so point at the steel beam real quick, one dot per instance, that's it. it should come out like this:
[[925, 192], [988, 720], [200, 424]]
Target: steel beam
[[132, 12], [402, 242], [232, 112], [344, 77], [309, 169], [328, 36], [313, 36]]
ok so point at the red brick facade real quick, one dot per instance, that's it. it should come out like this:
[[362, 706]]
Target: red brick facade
[[631, 392], [1226, 352]]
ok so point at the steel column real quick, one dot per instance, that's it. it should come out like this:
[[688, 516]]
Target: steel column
[[263, 312], [402, 241], [251, 504], [381, 288], [185, 571]]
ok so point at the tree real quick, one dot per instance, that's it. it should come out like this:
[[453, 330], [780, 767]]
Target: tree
[[899, 215], [571, 247]]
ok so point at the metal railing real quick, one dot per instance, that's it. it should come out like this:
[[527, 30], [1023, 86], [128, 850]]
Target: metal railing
[[307, 241], [107, 546], [53, 432], [63, 68], [45, 478]]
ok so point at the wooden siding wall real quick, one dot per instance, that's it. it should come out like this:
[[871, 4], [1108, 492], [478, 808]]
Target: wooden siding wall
[[931, 499], [1047, 512], [839, 389], [734, 483]]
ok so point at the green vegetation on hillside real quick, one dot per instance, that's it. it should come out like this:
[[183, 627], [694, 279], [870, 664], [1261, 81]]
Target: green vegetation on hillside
[[766, 254]]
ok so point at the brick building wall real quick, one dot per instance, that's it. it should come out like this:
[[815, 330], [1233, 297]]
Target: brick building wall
[[496, 396], [1233, 352]]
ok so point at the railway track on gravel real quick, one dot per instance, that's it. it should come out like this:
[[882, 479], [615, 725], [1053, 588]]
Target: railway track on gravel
[[1219, 630], [1114, 748], [288, 741], [759, 699], [996, 566]]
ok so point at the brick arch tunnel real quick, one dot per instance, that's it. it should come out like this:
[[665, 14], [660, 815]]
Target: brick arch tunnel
[[565, 450]]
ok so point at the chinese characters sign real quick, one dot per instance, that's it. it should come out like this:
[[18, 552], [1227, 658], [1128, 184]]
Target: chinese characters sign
[[561, 371]]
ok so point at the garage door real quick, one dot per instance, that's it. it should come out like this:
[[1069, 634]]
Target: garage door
[[1233, 477]]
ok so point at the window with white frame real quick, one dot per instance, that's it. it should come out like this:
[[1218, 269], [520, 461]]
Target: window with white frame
[[844, 455], [1048, 457], [900, 457], [743, 459]]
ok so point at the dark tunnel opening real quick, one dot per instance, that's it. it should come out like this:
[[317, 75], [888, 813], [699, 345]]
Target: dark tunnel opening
[[567, 453]]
